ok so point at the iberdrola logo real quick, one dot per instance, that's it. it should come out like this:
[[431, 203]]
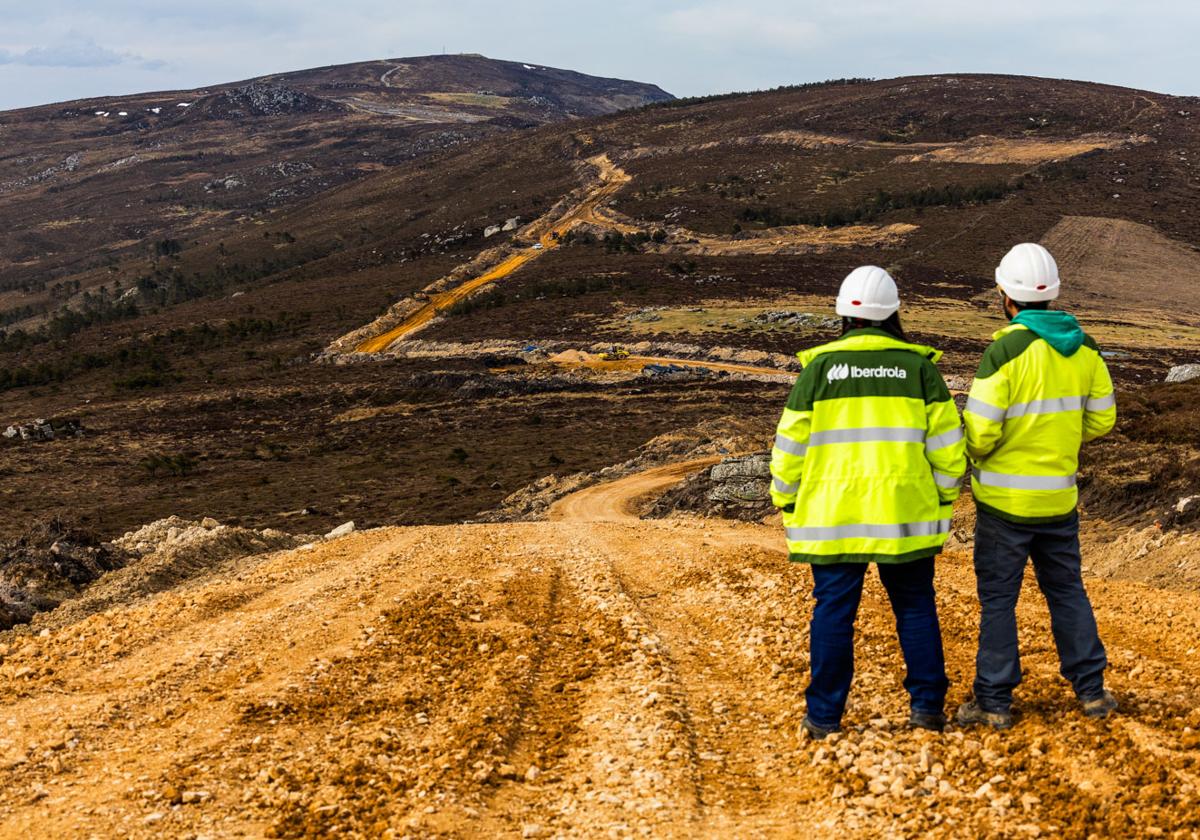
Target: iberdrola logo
[[838, 372]]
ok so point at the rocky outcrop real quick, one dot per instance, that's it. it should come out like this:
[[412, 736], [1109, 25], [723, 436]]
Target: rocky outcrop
[[262, 99], [737, 488], [717, 436]]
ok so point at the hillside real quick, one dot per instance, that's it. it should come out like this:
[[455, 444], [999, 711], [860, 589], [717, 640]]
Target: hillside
[[84, 184], [503, 352], [712, 231]]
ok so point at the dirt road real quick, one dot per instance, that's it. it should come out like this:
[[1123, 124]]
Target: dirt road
[[595, 675], [611, 179], [616, 501], [636, 363]]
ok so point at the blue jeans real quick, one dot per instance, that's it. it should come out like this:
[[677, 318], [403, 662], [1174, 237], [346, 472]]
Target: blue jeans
[[1001, 550], [838, 590]]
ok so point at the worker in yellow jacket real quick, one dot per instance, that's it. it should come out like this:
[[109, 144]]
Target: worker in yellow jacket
[[867, 462], [1041, 391]]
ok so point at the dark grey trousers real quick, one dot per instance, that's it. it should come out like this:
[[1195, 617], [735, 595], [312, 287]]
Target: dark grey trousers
[[1001, 550]]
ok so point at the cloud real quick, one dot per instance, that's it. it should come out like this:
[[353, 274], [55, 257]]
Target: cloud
[[725, 25], [77, 52]]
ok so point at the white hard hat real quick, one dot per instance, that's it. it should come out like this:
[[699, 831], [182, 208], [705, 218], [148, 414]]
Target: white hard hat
[[869, 293], [1028, 274]]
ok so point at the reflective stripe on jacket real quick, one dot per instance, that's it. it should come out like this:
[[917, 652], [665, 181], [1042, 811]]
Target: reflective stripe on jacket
[[870, 451], [1029, 411]]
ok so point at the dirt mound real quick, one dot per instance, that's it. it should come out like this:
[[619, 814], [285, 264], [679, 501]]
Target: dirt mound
[[1159, 556], [572, 357], [164, 554]]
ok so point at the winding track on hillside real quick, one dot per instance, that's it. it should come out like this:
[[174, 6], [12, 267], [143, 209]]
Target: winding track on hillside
[[408, 678], [611, 179]]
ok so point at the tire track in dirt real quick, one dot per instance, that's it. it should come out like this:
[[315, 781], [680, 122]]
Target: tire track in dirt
[[404, 681]]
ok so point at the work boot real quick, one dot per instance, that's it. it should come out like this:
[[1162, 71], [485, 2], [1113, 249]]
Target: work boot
[[933, 721], [971, 714], [816, 732], [1099, 707]]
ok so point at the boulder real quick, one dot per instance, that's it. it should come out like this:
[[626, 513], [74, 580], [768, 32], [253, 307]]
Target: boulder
[[341, 530], [753, 466], [512, 224], [490, 231], [1183, 373]]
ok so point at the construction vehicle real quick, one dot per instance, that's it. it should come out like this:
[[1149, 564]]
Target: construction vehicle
[[614, 354]]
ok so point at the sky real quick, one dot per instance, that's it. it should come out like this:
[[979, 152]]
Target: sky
[[70, 49]]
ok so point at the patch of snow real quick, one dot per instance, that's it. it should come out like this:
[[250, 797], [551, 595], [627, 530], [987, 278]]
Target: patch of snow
[[156, 110], [184, 105], [122, 113], [102, 113], [527, 67]]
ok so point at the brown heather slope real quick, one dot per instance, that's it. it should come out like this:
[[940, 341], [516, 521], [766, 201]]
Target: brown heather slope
[[210, 356], [85, 183], [588, 676]]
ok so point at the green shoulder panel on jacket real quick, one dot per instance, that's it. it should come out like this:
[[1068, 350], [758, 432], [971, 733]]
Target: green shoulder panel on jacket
[[801, 398], [1009, 345], [935, 386], [1090, 343]]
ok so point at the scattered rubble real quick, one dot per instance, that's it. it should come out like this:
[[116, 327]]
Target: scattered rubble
[[229, 182], [680, 373], [52, 562], [45, 430], [797, 320]]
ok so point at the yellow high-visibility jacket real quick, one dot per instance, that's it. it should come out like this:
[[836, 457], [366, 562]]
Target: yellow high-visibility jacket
[[1030, 409], [869, 451]]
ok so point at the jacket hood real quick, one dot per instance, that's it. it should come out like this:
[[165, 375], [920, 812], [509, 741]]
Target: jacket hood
[[1059, 329], [867, 339]]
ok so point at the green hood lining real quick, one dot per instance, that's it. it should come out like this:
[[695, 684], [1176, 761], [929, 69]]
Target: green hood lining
[[1058, 329]]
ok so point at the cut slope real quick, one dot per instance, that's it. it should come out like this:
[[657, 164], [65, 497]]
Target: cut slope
[[1116, 264]]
